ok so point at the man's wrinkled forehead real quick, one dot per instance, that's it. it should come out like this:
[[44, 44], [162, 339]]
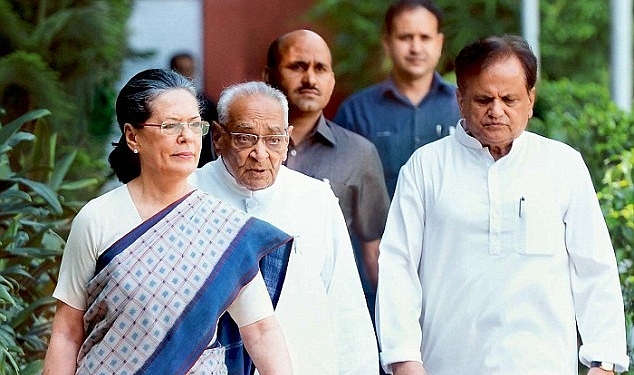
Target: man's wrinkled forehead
[[252, 126], [256, 113]]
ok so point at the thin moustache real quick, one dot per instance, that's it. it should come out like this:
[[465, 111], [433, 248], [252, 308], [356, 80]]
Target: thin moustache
[[313, 90]]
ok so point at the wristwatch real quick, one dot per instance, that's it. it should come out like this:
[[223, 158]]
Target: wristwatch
[[606, 366]]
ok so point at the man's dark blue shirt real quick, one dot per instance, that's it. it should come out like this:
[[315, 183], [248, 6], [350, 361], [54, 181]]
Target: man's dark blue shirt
[[396, 126]]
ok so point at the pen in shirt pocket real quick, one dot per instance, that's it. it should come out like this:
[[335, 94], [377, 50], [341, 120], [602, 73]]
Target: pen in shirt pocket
[[522, 207]]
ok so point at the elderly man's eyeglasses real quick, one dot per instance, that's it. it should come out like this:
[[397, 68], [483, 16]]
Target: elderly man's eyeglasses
[[274, 142], [176, 128]]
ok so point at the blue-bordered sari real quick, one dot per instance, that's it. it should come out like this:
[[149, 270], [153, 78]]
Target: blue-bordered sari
[[157, 293]]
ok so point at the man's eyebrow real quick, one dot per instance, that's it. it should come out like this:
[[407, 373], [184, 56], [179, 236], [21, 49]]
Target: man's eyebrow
[[300, 63], [244, 125], [278, 128]]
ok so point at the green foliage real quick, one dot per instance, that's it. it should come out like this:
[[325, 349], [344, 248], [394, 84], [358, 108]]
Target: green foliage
[[583, 116], [568, 30], [26, 78], [32, 213], [65, 56], [357, 54], [468, 21]]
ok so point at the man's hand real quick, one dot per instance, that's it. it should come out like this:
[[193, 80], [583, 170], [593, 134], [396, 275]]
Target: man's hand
[[408, 368], [598, 371]]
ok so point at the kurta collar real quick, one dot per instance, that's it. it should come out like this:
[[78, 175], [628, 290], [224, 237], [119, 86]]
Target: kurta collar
[[260, 195], [470, 142], [231, 182], [464, 138]]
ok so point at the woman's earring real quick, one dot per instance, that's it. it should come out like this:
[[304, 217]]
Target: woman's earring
[[136, 151]]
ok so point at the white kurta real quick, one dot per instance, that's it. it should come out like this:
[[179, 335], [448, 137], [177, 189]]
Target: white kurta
[[322, 309], [502, 258]]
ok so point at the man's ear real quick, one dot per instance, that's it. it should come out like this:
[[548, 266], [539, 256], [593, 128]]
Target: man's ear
[[459, 100], [216, 137], [531, 97], [385, 43], [289, 131], [266, 75]]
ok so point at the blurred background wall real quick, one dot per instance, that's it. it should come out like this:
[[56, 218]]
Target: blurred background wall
[[228, 38]]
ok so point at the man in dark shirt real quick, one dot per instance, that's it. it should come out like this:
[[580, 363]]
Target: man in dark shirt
[[299, 65], [414, 106]]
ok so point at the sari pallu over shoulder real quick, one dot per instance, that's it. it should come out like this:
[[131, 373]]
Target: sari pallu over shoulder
[[273, 267], [155, 300]]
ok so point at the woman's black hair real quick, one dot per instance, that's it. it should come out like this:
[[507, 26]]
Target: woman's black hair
[[133, 107]]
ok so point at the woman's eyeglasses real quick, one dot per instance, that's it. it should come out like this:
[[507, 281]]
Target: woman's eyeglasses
[[176, 128]]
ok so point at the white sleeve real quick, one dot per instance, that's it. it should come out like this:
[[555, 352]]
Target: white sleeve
[[594, 275], [356, 343], [399, 291], [78, 261], [252, 304]]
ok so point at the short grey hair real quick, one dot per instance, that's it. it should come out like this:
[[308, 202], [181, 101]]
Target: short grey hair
[[252, 88]]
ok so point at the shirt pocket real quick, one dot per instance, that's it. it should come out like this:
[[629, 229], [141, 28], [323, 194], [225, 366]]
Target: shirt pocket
[[539, 228]]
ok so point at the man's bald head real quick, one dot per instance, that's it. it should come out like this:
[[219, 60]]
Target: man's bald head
[[291, 38], [299, 63]]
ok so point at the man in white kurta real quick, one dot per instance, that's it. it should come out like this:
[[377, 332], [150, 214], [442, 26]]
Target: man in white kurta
[[322, 308], [489, 263]]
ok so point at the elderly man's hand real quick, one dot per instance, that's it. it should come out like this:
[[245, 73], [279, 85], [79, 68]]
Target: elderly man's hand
[[408, 368], [599, 371]]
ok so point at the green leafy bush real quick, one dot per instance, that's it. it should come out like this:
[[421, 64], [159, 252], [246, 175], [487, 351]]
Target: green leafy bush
[[583, 116], [66, 56], [32, 213]]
